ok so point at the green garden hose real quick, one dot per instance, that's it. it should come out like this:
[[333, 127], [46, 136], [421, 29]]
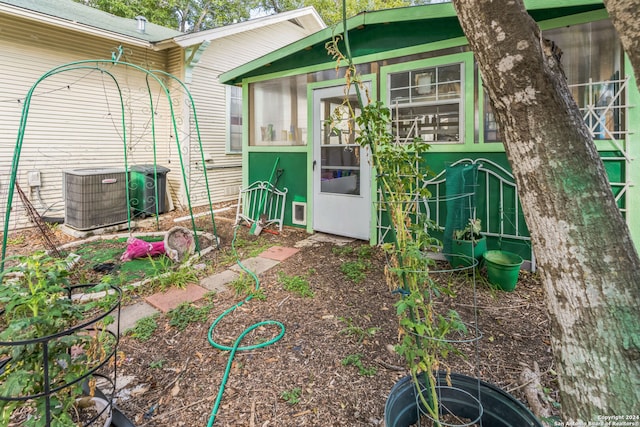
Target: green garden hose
[[236, 345]]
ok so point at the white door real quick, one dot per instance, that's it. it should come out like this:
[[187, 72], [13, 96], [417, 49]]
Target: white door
[[341, 168]]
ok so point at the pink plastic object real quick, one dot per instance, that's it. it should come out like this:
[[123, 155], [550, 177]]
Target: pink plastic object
[[137, 248]]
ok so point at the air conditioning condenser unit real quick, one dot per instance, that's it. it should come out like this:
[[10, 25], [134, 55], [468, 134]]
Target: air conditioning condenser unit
[[95, 198]]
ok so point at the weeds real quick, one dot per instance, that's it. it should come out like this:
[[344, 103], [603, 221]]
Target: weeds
[[342, 250], [243, 284], [157, 364], [296, 284], [16, 241], [292, 396], [356, 360], [144, 328], [356, 331], [187, 313], [251, 248], [356, 271], [167, 275]]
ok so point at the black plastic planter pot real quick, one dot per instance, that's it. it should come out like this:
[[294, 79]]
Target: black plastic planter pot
[[499, 409]]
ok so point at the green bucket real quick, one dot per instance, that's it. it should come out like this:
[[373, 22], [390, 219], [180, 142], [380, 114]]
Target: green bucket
[[502, 269]]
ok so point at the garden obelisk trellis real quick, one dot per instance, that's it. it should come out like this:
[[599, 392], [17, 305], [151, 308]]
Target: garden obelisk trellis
[[104, 66]]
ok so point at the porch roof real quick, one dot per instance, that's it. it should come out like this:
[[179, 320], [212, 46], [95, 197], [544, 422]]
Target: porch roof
[[386, 30]]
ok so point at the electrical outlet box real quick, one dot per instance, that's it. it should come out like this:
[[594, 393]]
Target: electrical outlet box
[[33, 178]]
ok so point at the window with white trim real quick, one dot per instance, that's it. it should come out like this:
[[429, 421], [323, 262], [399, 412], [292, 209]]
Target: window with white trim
[[427, 103], [234, 117]]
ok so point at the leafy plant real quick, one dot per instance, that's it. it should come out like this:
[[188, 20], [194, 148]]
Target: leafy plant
[[358, 332], [187, 313], [251, 248], [157, 364], [364, 252], [292, 396], [470, 232], [36, 305], [342, 250], [144, 328], [401, 171], [296, 284], [242, 285], [355, 270], [356, 360], [167, 274]]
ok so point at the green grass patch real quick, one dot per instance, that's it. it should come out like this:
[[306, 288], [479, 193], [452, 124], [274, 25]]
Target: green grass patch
[[144, 328], [167, 274], [251, 247], [243, 284], [102, 251], [296, 284], [187, 313], [356, 271]]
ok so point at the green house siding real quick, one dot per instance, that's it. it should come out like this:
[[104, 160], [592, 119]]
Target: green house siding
[[294, 175], [508, 222], [418, 38]]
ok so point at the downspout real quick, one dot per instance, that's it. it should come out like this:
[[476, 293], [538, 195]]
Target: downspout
[[191, 59]]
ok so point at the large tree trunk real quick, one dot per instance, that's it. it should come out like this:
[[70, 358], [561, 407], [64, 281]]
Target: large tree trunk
[[624, 16], [588, 263]]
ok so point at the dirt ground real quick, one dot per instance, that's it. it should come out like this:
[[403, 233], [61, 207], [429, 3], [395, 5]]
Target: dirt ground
[[303, 379]]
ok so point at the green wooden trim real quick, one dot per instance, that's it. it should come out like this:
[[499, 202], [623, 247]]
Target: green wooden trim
[[409, 13], [367, 79], [245, 136], [421, 48], [633, 150], [330, 64], [577, 19], [277, 148], [395, 16], [443, 10], [233, 76]]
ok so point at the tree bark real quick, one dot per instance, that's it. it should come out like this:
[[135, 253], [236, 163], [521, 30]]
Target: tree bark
[[624, 16], [588, 263]]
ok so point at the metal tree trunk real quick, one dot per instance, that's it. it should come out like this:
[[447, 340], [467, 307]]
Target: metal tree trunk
[[588, 263]]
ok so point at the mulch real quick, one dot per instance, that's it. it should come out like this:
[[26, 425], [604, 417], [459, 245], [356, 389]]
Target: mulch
[[175, 376]]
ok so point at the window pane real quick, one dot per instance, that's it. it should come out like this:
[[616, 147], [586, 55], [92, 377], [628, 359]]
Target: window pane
[[591, 60], [432, 123], [235, 119], [427, 103], [340, 155], [279, 112]]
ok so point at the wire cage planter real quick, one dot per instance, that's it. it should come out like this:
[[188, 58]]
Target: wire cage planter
[[88, 346]]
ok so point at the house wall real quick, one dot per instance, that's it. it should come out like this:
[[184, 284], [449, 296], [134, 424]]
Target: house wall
[[224, 169], [75, 117], [622, 173]]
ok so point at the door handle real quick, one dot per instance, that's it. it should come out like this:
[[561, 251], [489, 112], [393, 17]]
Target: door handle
[[314, 164]]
